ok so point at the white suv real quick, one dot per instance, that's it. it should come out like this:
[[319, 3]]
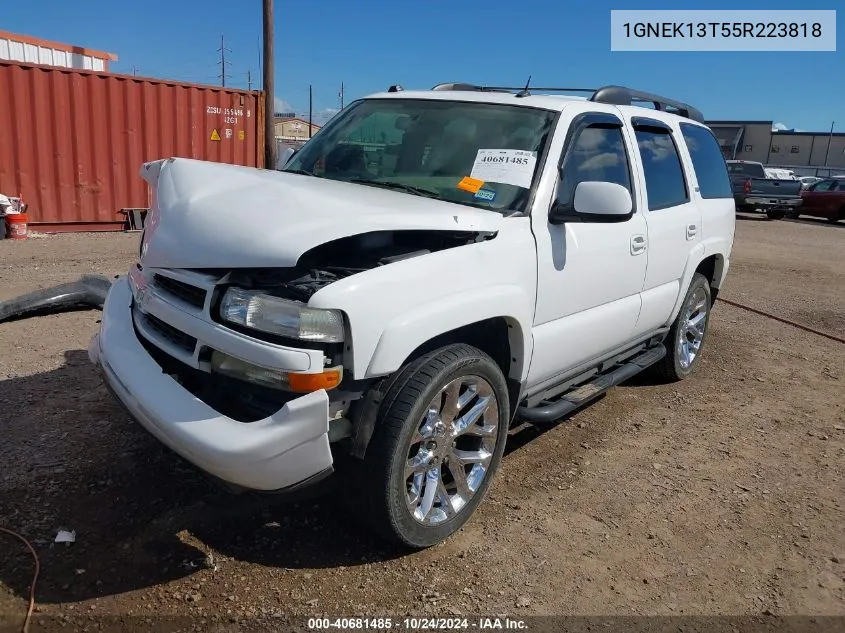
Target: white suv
[[430, 268]]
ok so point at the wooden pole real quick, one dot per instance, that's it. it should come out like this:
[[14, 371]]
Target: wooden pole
[[269, 95]]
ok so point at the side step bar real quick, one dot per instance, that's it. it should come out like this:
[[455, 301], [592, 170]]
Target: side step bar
[[579, 396]]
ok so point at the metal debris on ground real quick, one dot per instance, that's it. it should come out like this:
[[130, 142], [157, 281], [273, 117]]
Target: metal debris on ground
[[66, 536]]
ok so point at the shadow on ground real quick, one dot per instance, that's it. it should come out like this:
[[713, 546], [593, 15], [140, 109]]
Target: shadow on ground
[[816, 222], [142, 516]]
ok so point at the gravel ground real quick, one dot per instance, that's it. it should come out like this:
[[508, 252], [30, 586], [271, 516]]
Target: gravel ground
[[723, 494]]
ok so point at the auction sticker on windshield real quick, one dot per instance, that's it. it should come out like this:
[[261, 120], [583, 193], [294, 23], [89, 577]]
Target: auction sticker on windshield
[[506, 166]]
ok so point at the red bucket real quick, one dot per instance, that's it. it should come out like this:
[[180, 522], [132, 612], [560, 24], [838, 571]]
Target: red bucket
[[16, 226]]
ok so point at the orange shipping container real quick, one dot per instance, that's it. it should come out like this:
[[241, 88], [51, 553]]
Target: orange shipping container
[[72, 142]]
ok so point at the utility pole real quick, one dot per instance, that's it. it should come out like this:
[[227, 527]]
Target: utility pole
[[341, 95], [310, 110], [829, 139], [249, 80], [222, 50], [134, 70], [269, 100]]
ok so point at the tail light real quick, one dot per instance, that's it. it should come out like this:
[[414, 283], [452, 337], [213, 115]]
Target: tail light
[[747, 186]]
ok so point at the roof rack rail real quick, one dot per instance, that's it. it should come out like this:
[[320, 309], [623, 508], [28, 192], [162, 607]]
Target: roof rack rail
[[619, 95], [471, 88], [613, 95]]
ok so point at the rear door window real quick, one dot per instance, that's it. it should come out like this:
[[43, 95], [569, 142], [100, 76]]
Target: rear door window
[[707, 161], [664, 177]]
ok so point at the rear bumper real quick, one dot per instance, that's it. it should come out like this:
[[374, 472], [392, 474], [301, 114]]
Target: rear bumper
[[278, 452], [762, 202]]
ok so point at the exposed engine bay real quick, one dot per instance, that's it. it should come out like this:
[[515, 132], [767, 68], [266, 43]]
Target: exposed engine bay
[[348, 256]]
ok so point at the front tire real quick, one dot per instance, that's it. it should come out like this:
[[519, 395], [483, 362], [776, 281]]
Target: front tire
[[686, 338], [439, 438]]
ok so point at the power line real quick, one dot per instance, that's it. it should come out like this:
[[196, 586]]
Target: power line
[[222, 50]]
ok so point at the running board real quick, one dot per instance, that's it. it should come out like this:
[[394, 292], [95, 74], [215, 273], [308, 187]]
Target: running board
[[581, 395]]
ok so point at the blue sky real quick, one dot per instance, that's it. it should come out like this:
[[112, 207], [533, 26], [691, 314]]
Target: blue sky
[[370, 44]]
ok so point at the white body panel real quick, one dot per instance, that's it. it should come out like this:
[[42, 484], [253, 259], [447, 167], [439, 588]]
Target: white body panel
[[674, 234], [236, 217], [589, 276], [269, 454], [567, 293], [394, 309]]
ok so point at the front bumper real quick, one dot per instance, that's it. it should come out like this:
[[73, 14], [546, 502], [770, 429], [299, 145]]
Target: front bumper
[[278, 452]]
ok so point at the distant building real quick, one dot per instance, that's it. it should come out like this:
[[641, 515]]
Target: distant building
[[34, 50], [756, 141], [293, 129]]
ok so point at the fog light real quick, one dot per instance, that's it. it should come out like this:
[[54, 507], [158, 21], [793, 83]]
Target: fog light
[[275, 378]]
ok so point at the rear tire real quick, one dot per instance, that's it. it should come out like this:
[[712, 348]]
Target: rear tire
[[686, 338], [439, 438]]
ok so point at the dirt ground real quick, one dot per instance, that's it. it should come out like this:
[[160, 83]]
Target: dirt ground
[[723, 494]]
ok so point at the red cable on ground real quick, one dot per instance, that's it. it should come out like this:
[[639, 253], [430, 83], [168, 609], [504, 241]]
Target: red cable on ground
[[25, 628], [786, 321]]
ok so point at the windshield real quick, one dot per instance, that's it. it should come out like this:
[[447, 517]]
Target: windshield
[[477, 154]]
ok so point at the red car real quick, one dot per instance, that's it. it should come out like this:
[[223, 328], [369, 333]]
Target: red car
[[824, 199]]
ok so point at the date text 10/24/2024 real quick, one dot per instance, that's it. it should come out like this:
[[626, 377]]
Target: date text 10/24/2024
[[417, 624]]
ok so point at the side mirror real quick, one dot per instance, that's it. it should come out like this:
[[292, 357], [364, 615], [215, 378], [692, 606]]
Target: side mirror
[[595, 201], [284, 157]]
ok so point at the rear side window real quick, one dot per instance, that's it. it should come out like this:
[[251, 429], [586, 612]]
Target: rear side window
[[707, 161], [754, 170], [824, 185], [664, 178]]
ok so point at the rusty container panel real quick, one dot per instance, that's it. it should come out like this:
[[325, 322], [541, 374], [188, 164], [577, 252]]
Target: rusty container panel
[[72, 142]]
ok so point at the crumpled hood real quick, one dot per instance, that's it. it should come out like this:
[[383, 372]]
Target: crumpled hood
[[213, 215]]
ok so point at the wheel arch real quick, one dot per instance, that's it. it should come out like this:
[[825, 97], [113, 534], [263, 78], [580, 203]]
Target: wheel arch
[[470, 318], [713, 267]]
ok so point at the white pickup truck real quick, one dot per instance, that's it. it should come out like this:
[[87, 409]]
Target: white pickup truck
[[430, 269]]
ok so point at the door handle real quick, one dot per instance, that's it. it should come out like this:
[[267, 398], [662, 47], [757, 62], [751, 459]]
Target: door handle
[[638, 244], [692, 231]]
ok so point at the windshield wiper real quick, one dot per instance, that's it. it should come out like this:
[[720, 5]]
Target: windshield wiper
[[418, 191]]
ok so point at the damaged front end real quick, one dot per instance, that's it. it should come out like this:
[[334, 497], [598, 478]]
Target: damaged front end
[[269, 305], [348, 256]]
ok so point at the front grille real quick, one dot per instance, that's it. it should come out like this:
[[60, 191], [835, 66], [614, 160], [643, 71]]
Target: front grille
[[181, 290], [178, 338]]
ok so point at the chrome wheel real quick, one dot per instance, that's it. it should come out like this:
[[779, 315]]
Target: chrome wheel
[[692, 328], [450, 452]]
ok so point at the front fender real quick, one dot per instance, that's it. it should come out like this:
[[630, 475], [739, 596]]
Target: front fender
[[415, 327], [391, 310]]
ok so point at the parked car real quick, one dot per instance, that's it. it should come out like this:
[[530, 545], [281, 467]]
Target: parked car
[[806, 181], [824, 199], [754, 192], [513, 257]]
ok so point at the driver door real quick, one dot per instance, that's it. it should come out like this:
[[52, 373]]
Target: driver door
[[590, 273]]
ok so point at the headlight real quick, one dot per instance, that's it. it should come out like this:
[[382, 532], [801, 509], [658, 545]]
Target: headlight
[[280, 316]]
